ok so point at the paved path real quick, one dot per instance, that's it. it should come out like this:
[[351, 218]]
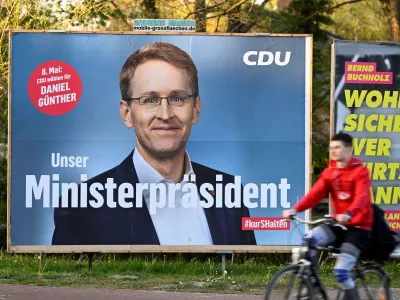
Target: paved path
[[29, 292]]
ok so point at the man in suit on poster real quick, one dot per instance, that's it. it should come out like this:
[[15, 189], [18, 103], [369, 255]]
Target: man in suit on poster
[[160, 100]]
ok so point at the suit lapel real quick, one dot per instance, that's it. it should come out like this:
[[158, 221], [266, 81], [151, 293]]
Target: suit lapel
[[215, 216], [141, 227]]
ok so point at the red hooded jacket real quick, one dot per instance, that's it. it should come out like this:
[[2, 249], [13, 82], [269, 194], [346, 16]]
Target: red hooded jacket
[[349, 189]]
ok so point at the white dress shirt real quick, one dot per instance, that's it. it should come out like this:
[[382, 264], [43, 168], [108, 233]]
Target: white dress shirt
[[174, 225]]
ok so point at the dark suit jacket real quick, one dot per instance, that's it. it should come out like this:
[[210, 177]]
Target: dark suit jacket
[[133, 226]]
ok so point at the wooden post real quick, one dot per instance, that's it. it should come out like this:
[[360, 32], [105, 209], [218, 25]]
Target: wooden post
[[90, 262]]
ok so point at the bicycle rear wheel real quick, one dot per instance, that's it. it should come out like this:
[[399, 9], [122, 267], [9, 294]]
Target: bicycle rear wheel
[[289, 283], [373, 284]]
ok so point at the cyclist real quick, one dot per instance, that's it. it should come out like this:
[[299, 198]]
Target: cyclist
[[348, 183]]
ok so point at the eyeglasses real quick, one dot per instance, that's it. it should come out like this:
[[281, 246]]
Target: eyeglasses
[[155, 101], [334, 148]]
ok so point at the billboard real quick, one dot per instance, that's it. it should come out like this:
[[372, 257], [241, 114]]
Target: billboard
[[138, 142], [365, 95]]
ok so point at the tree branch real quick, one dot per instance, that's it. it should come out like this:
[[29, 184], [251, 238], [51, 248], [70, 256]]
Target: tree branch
[[178, 8], [248, 13], [329, 8], [216, 27], [227, 11], [235, 5], [321, 10], [344, 3], [208, 9], [123, 16], [213, 7]]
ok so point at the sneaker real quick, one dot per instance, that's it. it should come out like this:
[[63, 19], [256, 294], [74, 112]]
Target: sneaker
[[316, 291]]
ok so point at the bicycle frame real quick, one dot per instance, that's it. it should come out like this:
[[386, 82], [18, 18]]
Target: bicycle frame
[[304, 258], [301, 255]]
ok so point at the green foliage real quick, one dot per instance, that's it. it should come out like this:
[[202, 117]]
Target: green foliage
[[364, 20], [305, 16], [19, 14], [3, 202], [89, 13], [190, 272], [3, 182]]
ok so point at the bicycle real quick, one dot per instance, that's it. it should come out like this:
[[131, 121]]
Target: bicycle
[[310, 286]]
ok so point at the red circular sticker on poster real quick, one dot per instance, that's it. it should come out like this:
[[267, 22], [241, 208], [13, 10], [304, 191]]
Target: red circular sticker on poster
[[55, 88]]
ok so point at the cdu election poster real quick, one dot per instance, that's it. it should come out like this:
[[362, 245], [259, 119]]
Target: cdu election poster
[[154, 142]]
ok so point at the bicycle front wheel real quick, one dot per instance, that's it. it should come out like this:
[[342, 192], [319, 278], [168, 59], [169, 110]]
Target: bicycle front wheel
[[373, 284], [290, 283]]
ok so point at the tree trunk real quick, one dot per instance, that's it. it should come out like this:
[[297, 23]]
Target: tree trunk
[[394, 20], [234, 21], [200, 15], [392, 8], [150, 8]]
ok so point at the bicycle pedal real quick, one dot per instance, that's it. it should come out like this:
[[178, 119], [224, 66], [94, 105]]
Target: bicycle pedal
[[318, 296], [317, 292]]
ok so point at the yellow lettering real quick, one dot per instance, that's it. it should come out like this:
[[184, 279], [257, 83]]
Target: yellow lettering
[[396, 195], [384, 147], [382, 194], [371, 192], [373, 123], [365, 68], [373, 98], [396, 124], [360, 68], [374, 147], [371, 102], [370, 167], [351, 123], [393, 169], [371, 147], [391, 99], [394, 225], [354, 99], [379, 171], [368, 123], [389, 195], [358, 145], [385, 123], [383, 171]]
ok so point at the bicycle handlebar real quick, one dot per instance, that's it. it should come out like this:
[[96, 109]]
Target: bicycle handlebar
[[329, 220]]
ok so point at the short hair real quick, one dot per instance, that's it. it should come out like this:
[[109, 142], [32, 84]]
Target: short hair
[[345, 138], [157, 51]]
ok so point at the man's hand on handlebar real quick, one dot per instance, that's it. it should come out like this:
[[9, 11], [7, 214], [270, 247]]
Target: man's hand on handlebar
[[289, 213], [343, 218]]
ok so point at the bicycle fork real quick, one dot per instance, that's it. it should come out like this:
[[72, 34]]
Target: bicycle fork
[[316, 282]]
